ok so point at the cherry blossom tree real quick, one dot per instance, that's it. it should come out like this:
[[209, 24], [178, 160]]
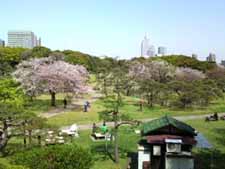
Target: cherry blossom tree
[[149, 76], [51, 75], [188, 74], [159, 71]]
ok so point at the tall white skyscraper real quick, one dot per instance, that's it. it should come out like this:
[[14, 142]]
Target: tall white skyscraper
[[147, 50], [24, 39]]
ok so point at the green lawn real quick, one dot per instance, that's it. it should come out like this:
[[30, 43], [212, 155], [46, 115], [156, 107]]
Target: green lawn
[[215, 133], [127, 141], [77, 116], [42, 103], [131, 108]]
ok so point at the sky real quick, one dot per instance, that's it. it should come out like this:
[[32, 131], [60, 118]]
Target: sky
[[117, 27]]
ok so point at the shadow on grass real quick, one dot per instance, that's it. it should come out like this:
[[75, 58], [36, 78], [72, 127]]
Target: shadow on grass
[[209, 159], [220, 138], [42, 105], [13, 148], [102, 152]]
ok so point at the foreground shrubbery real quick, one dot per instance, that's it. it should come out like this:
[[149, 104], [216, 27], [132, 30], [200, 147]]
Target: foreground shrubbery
[[55, 157]]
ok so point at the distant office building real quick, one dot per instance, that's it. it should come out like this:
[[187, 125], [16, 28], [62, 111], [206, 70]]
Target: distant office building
[[24, 39], [147, 50], [223, 63], [39, 42], [151, 51], [161, 51], [211, 57], [194, 56], [2, 43]]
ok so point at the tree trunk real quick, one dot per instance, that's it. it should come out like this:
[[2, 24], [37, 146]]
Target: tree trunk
[[52, 98], [128, 92], [141, 105], [30, 136], [39, 140], [24, 135], [151, 98], [4, 138], [105, 88], [116, 148], [31, 98]]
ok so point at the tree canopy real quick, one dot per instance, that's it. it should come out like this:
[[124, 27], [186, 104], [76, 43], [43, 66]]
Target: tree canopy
[[186, 61], [51, 75]]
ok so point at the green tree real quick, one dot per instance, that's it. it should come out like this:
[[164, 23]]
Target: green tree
[[75, 57], [32, 123], [40, 52], [218, 75], [114, 101], [186, 61], [9, 58], [199, 92], [12, 110]]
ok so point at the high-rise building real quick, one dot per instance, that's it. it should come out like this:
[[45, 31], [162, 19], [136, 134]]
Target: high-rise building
[[39, 42], [2, 43], [24, 39], [194, 56], [211, 57], [147, 50], [161, 51], [223, 63]]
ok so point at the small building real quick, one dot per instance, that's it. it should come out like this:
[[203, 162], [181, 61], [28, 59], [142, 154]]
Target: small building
[[167, 144]]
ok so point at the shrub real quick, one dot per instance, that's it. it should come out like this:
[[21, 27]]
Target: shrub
[[55, 157]]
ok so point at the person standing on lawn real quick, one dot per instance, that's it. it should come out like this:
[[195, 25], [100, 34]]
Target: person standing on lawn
[[65, 103]]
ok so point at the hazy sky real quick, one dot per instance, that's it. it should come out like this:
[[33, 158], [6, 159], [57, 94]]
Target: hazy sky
[[116, 27]]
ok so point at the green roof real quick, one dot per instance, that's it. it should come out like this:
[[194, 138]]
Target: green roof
[[166, 121]]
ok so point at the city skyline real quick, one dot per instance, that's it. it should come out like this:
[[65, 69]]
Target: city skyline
[[116, 28]]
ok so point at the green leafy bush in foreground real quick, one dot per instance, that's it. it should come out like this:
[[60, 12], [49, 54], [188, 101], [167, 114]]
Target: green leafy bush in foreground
[[55, 157]]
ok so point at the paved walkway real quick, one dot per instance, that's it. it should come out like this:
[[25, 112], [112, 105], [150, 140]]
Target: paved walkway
[[181, 118]]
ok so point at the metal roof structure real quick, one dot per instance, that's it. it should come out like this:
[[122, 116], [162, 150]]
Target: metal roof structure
[[167, 121]]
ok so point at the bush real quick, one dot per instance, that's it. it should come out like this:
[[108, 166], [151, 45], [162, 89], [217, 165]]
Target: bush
[[8, 166], [55, 157]]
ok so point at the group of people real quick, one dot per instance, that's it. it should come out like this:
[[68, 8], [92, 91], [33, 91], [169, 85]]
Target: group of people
[[103, 128], [85, 107], [213, 117]]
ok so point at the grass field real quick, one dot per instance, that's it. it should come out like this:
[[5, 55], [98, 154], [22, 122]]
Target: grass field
[[131, 108], [215, 133]]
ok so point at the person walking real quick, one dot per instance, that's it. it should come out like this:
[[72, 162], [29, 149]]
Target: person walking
[[65, 103]]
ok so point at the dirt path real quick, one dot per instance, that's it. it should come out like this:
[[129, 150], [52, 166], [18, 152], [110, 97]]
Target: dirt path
[[76, 104]]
